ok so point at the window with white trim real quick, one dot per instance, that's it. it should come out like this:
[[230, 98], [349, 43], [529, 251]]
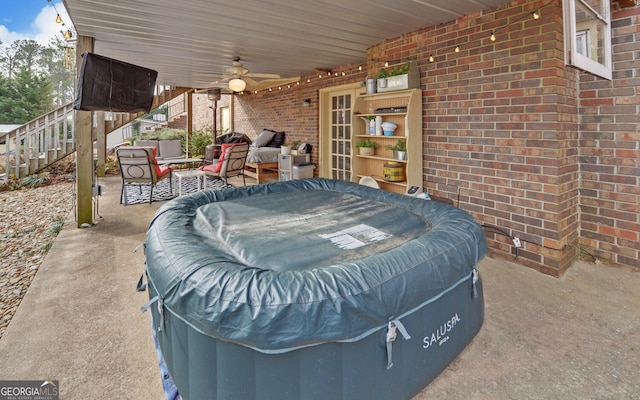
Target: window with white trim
[[587, 39], [225, 119]]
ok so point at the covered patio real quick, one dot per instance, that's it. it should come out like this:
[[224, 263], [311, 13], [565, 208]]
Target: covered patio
[[80, 323], [512, 130]]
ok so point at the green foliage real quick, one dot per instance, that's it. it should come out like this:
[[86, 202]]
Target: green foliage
[[111, 165], [57, 225], [199, 141], [25, 97], [367, 143], [36, 180], [27, 73], [12, 184], [400, 145], [399, 70], [161, 134]]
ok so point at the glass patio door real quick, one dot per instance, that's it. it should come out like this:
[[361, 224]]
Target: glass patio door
[[336, 134]]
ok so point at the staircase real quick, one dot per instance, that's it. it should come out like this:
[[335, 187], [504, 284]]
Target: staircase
[[39, 143]]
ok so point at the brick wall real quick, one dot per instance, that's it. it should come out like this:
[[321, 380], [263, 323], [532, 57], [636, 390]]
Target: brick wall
[[203, 113], [610, 149], [282, 109], [531, 148], [500, 127]]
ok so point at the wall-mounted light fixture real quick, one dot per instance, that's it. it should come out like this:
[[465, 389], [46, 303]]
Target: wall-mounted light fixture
[[306, 102]]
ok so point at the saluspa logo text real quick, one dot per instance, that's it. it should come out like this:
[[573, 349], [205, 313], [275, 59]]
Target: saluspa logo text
[[441, 335]]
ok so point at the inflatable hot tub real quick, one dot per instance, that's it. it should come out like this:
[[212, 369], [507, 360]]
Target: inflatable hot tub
[[311, 289]]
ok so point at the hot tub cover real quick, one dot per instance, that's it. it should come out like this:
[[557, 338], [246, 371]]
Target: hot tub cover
[[292, 264]]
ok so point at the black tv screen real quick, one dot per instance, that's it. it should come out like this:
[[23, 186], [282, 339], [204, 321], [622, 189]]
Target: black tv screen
[[105, 84]]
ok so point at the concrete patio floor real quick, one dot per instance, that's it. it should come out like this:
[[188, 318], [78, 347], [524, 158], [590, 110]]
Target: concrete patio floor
[[577, 337]]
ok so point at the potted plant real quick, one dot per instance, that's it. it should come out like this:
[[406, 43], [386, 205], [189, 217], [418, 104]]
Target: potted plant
[[382, 79], [367, 147], [294, 147], [399, 149], [400, 77], [285, 149]]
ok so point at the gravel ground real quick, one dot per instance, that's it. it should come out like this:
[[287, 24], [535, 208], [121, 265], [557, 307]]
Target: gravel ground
[[30, 219]]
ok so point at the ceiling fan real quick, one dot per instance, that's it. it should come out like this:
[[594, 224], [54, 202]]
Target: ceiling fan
[[237, 78]]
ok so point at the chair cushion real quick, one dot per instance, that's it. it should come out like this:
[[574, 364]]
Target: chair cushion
[[217, 166], [161, 170], [211, 167], [170, 148], [147, 143], [153, 149]]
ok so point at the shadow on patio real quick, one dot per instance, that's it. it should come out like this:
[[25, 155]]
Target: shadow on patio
[[80, 323]]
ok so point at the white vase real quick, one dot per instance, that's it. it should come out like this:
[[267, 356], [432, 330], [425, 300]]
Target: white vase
[[378, 125], [285, 150]]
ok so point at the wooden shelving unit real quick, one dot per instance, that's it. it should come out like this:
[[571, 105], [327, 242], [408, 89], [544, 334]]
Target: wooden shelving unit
[[409, 129]]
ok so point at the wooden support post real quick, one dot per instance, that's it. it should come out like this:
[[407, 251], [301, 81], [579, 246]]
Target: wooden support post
[[189, 99], [101, 143], [84, 150]]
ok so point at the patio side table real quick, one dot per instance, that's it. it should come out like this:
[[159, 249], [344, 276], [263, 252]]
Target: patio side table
[[190, 173]]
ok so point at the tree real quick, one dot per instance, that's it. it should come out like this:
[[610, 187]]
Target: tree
[[59, 59], [8, 59], [27, 59], [24, 98], [29, 55]]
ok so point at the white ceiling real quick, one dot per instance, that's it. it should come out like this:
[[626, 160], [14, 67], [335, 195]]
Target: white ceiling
[[192, 42]]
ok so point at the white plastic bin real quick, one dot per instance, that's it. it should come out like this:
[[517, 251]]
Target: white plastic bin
[[303, 171]]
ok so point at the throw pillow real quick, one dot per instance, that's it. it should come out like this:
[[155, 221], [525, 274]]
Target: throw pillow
[[277, 141], [263, 138]]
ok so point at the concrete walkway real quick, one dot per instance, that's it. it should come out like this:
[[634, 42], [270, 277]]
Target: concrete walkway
[[577, 337]]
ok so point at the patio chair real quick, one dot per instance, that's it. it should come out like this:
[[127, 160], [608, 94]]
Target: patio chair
[[233, 156], [139, 167]]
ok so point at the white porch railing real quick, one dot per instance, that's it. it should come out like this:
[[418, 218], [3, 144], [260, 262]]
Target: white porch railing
[[38, 143]]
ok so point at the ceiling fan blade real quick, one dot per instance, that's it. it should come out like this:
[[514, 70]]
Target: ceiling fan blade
[[250, 82], [222, 85], [223, 89], [267, 76]]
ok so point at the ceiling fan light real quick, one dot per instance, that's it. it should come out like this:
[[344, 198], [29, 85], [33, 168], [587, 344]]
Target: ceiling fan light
[[237, 85]]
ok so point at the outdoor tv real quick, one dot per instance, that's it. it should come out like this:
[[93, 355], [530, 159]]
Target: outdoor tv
[[105, 84]]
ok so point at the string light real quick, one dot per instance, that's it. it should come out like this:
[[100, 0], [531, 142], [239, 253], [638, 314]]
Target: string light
[[534, 14], [67, 34], [321, 72]]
